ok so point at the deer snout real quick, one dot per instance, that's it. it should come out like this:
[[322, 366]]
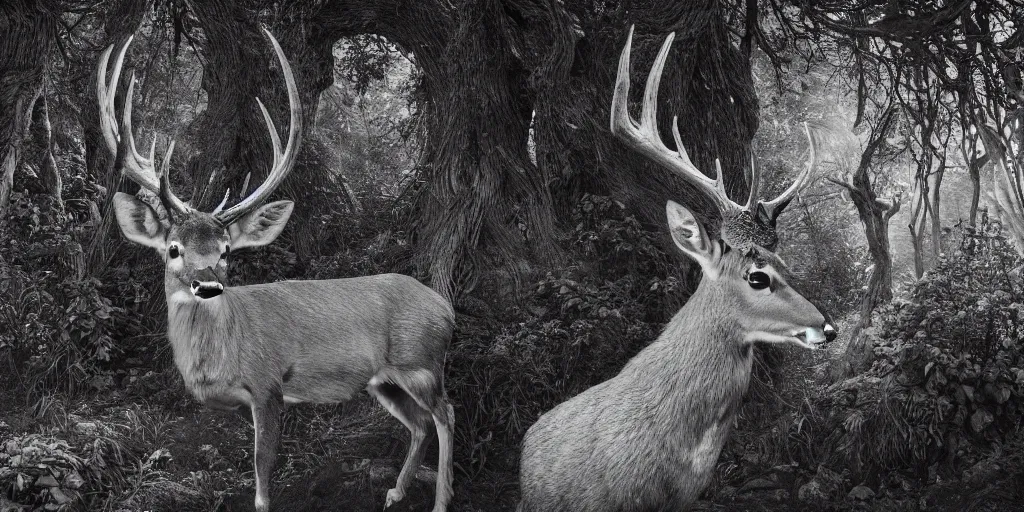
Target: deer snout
[[206, 284], [830, 332]]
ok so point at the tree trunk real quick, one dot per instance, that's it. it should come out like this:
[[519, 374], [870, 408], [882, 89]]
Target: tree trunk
[[919, 217], [42, 150], [235, 139], [16, 130], [489, 66], [875, 216], [27, 32], [936, 218]]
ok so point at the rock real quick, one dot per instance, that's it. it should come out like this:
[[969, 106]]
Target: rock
[[73, 480], [981, 472], [58, 496], [812, 491], [728, 492], [759, 484], [47, 481], [86, 427], [980, 420], [861, 493]]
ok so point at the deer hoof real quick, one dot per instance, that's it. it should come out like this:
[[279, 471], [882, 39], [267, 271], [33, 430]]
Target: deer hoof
[[394, 496]]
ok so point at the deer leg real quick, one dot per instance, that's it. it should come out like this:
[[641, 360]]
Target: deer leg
[[266, 417], [417, 420], [444, 420]]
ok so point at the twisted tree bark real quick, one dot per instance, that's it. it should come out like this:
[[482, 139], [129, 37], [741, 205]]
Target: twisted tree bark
[[875, 214], [492, 70], [27, 33]]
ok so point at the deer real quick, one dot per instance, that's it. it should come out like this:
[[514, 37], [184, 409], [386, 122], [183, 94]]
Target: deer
[[253, 349], [649, 438]]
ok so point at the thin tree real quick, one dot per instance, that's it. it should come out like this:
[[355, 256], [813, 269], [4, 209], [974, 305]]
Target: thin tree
[[875, 214]]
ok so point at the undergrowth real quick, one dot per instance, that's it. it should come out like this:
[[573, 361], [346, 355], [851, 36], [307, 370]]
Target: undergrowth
[[947, 381]]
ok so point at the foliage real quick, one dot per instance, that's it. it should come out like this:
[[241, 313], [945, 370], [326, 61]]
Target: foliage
[[55, 322], [826, 258], [44, 471], [577, 327], [949, 370]]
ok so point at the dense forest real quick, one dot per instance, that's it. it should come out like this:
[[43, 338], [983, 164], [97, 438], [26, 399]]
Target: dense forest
[[467, 144]]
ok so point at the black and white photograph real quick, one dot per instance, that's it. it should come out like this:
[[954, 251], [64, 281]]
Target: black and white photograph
[[511, 255]]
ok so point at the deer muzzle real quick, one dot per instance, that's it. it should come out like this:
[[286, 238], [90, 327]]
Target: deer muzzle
[[206, 285], [815, 337]]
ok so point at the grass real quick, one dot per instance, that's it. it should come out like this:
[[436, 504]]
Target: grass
[[147, 445]]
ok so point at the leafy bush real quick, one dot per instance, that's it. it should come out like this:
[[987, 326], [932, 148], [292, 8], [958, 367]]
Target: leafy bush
[[949, 373], [56, 327], [826, 255], [576, 328]]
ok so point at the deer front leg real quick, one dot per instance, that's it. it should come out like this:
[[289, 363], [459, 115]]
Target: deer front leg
[[266, 417]]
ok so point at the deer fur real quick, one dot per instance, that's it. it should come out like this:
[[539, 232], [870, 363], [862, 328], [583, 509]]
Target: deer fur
[[649, 438], [255, 348]]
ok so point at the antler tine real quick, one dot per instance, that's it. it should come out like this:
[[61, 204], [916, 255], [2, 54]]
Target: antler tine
[[275, 139], [166, 195], [245, 184], [134, 166], [105, 93], [755, 182], [223, 202], [775, 206], [283, 161], [141, 168], [227, 194], [105, 96], [644, 137]]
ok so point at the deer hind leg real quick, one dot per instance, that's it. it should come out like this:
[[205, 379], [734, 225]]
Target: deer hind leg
[[416, 419], [423, 392], [444, 419]]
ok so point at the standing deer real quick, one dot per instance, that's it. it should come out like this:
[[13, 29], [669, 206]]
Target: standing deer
[[648, 438], [258, 347]]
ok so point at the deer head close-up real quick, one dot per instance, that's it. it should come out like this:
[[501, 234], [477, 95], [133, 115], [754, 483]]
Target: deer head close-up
[[649, 438]]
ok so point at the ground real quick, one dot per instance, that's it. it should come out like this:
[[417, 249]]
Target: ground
[[145, 444]]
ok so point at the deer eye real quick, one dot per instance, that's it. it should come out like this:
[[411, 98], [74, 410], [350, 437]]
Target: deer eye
[[759, 280], [173, 251]]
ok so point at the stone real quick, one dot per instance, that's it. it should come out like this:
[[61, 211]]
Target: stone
[[861, 493], [759, 484], [812, 491]]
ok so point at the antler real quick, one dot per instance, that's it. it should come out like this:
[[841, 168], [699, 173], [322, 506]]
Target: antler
[[283, 160], [139, 169], [644, 138], [142, 170]]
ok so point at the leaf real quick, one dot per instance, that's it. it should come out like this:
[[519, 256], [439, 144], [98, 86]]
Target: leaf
[[980, 420]]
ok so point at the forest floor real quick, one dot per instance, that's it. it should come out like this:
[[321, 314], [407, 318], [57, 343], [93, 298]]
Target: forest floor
[[152, 447]]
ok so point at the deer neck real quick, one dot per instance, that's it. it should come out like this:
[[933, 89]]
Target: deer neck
[[202, 332], [701, 362]]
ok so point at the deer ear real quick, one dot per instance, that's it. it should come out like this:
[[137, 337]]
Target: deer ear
[[690, 237], [139, 222], [260, 226]]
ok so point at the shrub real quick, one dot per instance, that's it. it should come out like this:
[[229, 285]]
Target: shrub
[[949, 369], [57, 328], [577, 327]]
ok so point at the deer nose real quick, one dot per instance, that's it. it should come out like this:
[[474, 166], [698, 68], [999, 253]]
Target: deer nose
[[830, 332], [206, 285]]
